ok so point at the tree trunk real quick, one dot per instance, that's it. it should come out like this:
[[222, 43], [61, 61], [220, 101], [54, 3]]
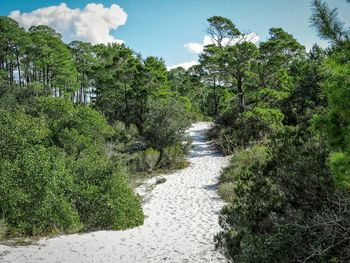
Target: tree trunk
[[11, 73], [48, 79], [126, 102], [85, 96], [47, 75], [81, 94], [216, 106], [43, 77], [19, 68], [240, 94]]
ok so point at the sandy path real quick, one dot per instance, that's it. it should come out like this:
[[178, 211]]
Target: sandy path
[[181, 221]]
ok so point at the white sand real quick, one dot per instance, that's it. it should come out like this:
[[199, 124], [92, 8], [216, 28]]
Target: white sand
[[181, 221]]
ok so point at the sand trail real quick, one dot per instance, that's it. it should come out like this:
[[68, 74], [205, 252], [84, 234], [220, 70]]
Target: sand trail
[[181, 221]]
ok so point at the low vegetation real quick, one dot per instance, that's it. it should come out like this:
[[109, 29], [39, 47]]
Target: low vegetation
[[287, 186]]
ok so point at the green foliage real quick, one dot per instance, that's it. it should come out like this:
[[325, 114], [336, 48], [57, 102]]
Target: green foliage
[[276, 189], [305, 99], [243, 130], [35, 192], [54, 59], [327, 23], [226, 191], [288, 182], [85, 61], [165, 123], [210, 74], [173, 157], [73, 127], [3, 228], [126, 83], [237, 61], [56, 175], [148, 160], [187, 85], [156, 68], [221, 28], [244, 161], [267, 122], [140, 93], [103, 198], [334, 123], [340, 163], [18, 132]]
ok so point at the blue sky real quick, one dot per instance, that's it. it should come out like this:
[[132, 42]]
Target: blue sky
[[162, 27]]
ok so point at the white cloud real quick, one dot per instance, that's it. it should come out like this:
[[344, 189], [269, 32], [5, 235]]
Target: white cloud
[[93, 23], [193, 47], [185, 65], [198, 48]]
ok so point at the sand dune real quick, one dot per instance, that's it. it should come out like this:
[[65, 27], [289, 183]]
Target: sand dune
[[181, 221]]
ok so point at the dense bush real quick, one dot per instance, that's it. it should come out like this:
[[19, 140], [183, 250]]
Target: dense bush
[[227, 191], [278, 197], [102, 196], [160, 145], [3, 228], [235, 130], [55, 173], [173, 157], [35, 192], [165, 124]]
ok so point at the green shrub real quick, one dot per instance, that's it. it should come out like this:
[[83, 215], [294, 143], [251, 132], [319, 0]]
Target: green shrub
[[236, 130], [280, 200], [172, 157], [227, 192], [340, 163], [182, 165], [72, 127], [124, 134], [165, 123], [102, 196], [244, 162], [3, 228], [148, 160], [35, 193], [18, 131], [196, 116], [55, 174]]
